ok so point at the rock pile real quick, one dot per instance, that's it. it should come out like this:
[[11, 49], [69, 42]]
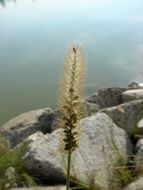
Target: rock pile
[[107, 140]]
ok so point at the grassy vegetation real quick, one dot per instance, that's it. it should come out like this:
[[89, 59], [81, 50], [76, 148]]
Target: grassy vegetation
[[4, 146], [13, 160], [125, 175]]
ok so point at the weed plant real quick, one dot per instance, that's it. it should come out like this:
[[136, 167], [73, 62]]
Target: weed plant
[[72, 86], [13, 158]]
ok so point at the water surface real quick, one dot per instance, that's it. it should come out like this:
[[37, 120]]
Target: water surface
[[35, 35]]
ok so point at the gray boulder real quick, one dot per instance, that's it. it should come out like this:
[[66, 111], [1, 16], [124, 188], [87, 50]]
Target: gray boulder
[[133, 94], [44, 158], [140, 124], [102, 146], [57, 116], [127, 115], [139, 155], [89, 108], [92, 99], [136, 185], [108, 97], [19, 128], [32, 138], [135, 85], [10, 175]]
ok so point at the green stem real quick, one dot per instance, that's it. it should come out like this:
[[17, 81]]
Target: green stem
[[68, 170]]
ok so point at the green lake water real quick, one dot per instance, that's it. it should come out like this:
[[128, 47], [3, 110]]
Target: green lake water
[[35, 36]]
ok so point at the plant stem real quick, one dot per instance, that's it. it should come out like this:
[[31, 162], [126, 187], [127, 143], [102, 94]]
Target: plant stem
[[68, 170]]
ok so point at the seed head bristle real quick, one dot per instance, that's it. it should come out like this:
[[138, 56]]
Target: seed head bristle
[[71, 94]]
